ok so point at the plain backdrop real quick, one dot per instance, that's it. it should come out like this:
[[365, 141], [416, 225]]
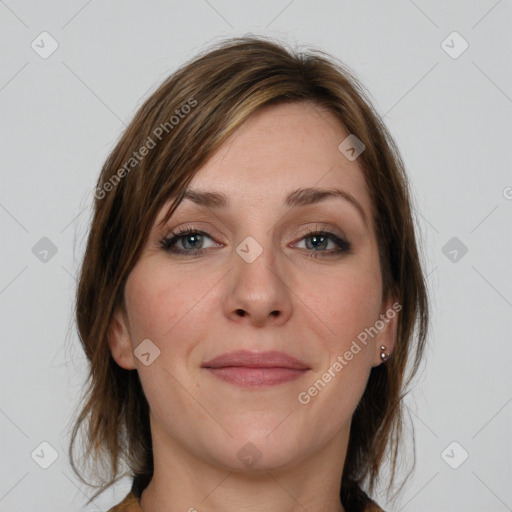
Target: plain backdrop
[[439, 72]]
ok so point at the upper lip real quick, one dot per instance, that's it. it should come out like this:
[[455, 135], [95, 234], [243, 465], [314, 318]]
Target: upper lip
[[248, 359]]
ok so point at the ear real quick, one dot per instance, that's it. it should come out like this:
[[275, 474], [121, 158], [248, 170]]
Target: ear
[[120, 341], [387, 328]]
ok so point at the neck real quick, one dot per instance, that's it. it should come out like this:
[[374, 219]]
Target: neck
[[181, 483]]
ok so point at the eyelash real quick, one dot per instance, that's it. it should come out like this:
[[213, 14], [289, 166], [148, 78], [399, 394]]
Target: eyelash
[[168, 243]]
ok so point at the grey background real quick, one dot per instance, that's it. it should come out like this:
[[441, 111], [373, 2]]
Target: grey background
[[451, 117]]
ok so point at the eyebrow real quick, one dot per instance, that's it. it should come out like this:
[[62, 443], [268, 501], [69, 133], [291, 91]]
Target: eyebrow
[[297, 198]]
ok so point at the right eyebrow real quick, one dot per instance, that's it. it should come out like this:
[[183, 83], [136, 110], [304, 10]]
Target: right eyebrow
[[209, 199]]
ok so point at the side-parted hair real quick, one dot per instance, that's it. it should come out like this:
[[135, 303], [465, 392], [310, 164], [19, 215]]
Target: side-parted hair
[[172, 135]]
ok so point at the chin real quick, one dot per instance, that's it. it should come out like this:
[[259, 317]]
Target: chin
[[260, 447], [261, 456]]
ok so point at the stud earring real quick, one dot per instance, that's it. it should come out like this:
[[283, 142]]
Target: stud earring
[[384, 356]]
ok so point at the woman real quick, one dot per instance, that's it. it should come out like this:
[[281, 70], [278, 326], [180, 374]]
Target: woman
[[251, 291]]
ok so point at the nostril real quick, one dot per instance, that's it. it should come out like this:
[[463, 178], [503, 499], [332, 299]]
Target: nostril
[[242, 312]]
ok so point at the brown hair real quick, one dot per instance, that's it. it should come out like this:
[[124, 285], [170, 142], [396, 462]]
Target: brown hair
[[222, 88]]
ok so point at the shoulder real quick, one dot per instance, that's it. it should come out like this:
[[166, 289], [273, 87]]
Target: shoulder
[[129, 504], [372, 507], [355, 499]]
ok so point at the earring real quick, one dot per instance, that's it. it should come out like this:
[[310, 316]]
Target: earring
[[384, 356]]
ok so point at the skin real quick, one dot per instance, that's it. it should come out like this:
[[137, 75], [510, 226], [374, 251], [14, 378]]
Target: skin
[[196, 307]]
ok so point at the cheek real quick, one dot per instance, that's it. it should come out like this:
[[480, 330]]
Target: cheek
[[351, 305], [345, 305], [169, 309], [162, 305]]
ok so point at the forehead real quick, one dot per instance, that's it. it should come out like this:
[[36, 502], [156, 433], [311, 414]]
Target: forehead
[[277, 150], [283, 147]]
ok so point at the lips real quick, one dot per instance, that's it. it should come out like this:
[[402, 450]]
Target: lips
[[256, 369]]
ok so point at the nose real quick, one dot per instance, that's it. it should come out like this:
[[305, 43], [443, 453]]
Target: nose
[[258, 293]]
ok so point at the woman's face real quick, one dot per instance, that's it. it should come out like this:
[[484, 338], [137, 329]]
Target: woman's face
[[248, 328]]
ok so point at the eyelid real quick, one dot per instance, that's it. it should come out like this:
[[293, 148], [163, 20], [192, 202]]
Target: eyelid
[[199, 227], [321, 227], [210, 230]]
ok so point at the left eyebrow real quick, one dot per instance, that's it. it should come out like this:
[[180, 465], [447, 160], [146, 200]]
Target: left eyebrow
[[307, 196], [297, 198]]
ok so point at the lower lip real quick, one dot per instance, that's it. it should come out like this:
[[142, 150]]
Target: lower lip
[[256, 377]]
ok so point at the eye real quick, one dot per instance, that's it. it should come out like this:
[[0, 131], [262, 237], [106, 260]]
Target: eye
[[323, 242], [188, 241]]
